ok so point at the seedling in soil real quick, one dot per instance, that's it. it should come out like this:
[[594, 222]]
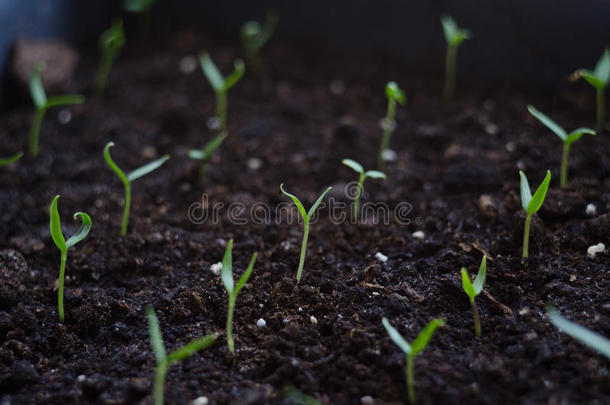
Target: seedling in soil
[[221, 85], [531, 204], [205, 154], [164, 360], [306, 219], [11, 159], [585, 336], [413, 349], [111, 42], [128, 179], [226, 275], [42, 104], [394, 94], [255, 36], [473, 289], [599, 79], [567, 138], [64, 245], [363, 175], [454, 36]]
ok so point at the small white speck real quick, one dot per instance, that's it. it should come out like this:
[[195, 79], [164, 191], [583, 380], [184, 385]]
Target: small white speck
[[524, 311], [591, 210], [260, 305], [215, 268], [188, 64], [64, 116], [491, 128], [337, 87], [419, 235], [313, 320], [285, 320], [286, 245], [261, 323], [520, 165], [381, 257], [81, 378], [213, 123], [383, 124], [300, 309], [367, 400], [254, 163], [389, 155], [593, 250], [375, 294], [200, 401], [510, 147]]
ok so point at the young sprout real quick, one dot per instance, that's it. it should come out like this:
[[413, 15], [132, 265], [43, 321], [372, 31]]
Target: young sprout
[[454, 37], [221, 85], [42, 104], [226, 276], [138, 6], [164, 360], [205, 154], [373, 174], [599, 79], [11, 159], [413, 349], [531, 204], [306, 219], [64, 245], [473, 289], [128, 179], [394, 94], [111, 41], [567, 138], [255, 36], [587, 337]]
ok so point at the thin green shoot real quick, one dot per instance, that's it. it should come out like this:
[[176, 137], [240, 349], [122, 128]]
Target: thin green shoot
[[599, 79], [394, 95], [412, 350], [567, 138], [64, 245], [42, 104], [306, 215], [363, 175], [11, 159], [254, 36], [164, 360], [531, 204], [473, 290], [111, 42], [454, 37], [205, 154], [128, 179], [587, 337]]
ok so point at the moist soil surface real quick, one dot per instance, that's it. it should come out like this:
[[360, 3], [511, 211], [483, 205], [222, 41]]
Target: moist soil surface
[[455, 179]]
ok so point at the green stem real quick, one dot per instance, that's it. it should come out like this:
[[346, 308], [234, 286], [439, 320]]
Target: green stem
[[101, 77], [303, 250], [35, 131], [159, 382], [230, 341], [601, 107], [60, 288], [221, 109], [356, 206], [387, 131], [563, 176], [526, 235], [126, 209], [204, 168], [450, 68], [477, 319], [410, 377]]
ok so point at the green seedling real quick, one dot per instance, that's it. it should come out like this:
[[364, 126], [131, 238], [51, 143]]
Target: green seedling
[[11, 159], [531, 204], [599, 79], [128, 179], [394, 95], [221, 85], [454, 37], [567, 138], [64, 245], [587, 337], [226, 276], [164, 360], [473, 289], [255, 36], [111, 42], [413, 349], [205, 154], [306, 220], [363, 175], [138, 6], [42, 104]]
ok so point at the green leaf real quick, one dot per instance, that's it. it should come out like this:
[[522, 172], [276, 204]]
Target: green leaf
[[538, 197], [549, 123], [246, 276], [211, 72], [239, 68], [116, 169], [422, 340], [156, 338], [593, 340], [479, 280], [453, 35], [467, 285], [316, 204], [577, 134], [226, 274], [36, 89], [591, 78], [394, 92], [396, 337], [192, 348], [255, 36], [113, 39], [297, 202], [352, 164], [11, 159], [55, 226], [526, 194], [147, 168], [602, 69], [65, 99], [375, 174], [137, 6], [214, 143], [82, 232]]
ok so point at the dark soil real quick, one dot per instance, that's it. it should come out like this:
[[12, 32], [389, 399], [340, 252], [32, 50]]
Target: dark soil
[[456, 167]]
